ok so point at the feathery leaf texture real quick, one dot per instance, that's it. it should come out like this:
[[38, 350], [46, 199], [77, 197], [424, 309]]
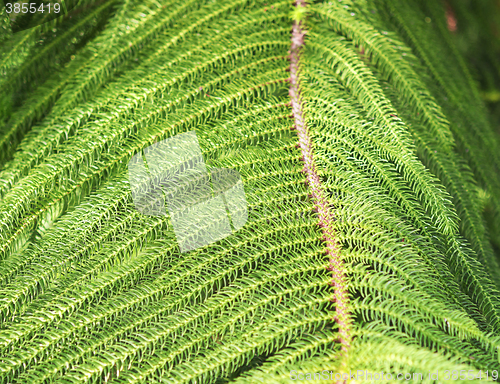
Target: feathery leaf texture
[[371, 172]]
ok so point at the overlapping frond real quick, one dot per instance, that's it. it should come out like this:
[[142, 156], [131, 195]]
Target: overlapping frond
[[398, 196]]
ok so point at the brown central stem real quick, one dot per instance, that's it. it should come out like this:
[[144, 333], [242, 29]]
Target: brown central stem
[[319, 196]]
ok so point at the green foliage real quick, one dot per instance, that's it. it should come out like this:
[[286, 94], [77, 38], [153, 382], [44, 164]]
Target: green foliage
[[93, 291]]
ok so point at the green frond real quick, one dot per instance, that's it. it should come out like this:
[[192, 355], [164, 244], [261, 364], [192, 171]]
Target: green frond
[[370, 168]]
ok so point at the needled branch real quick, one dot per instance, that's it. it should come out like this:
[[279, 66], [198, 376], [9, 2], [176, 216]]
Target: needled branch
[[342, 316]]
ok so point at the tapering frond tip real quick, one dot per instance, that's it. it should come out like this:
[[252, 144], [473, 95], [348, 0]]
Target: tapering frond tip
[[299, 12]]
